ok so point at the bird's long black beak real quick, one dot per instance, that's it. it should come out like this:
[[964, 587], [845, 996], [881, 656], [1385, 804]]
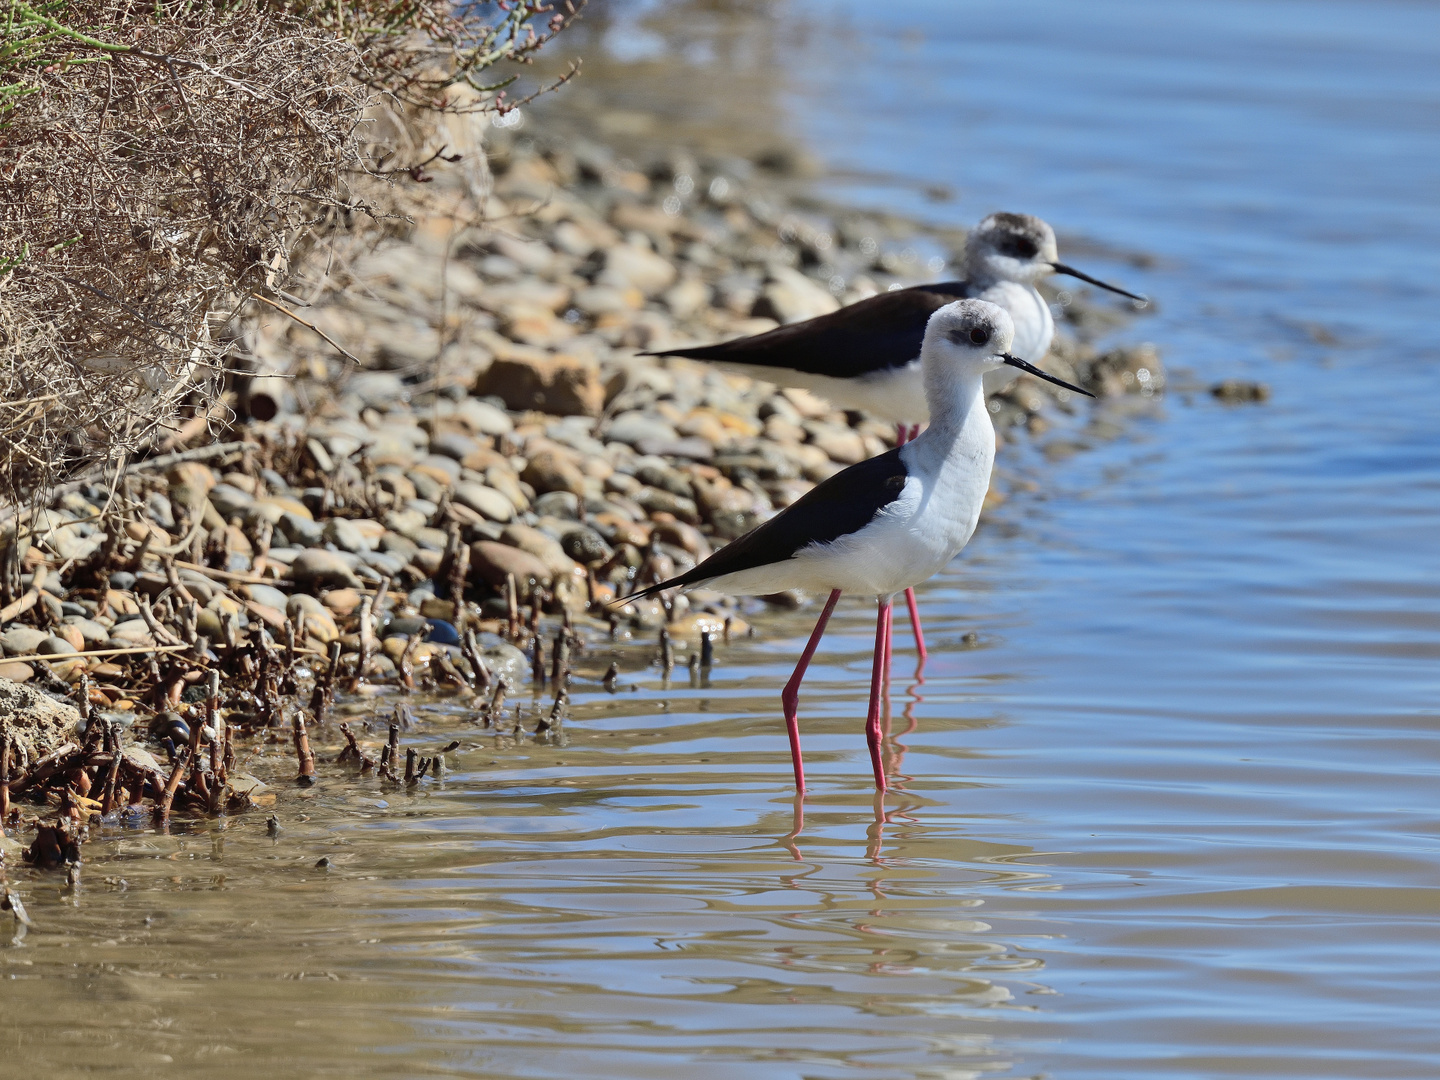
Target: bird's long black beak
[[1070, 271], [1025, 365]]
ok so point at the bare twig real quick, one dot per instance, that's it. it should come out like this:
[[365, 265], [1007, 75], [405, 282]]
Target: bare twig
[[309, 326]]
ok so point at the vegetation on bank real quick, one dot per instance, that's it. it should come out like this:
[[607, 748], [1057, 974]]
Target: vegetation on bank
[[162, 165]]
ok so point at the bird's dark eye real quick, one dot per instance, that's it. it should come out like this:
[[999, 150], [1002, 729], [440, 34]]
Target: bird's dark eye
[[1020, 247], [979, 336]]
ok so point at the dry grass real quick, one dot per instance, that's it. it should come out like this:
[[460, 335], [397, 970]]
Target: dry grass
[[161, 165]]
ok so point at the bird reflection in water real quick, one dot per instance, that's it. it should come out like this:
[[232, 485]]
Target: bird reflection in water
[[893, 755]]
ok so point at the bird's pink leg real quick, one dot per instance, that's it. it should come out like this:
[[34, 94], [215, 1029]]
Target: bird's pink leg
[[872, 722], [915, 625], [889, 622], [790, 696], [902, 434]]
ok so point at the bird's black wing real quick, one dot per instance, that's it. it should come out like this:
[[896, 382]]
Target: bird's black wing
[[843, 504], [880, 332]]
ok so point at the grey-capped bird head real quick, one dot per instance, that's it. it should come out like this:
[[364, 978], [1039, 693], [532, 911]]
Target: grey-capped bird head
[[968, 334], [974, 336], [1020, 247]]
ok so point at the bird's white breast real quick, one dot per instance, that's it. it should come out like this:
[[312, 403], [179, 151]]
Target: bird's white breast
[[912, 538], [1034, 327], [896, 395]]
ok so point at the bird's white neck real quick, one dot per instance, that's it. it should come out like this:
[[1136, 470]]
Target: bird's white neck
[[957, 415]]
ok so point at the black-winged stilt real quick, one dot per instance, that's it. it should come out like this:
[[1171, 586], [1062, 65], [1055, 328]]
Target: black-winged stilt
[[888, 523], [867, 356]]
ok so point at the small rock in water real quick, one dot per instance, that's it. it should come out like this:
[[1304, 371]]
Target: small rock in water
[[1237, 391]]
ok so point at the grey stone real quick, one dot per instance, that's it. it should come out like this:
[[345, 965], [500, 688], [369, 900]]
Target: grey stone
[[484, 418], [157, 507], [628, 266], [632, 427], [131, 634], [299, 530], [431, 539], [485, 501], [427, 486], [229, 501], [22, 640], [654, 500], [790, 296], [560, 504], [55, 646], [452, 444], [401, 546], [687, 297], [319, 622], [199, 586], [385, 562], [316, 567], [345, 536], [267, 595], [605, 300], [660, 474], [405, 522], [378, 389], [694, 448]]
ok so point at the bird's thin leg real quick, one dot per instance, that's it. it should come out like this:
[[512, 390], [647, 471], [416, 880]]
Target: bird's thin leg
[[914, 433], [915, 625], [872, 722], [889, 622], [902, 434], [790, 696]]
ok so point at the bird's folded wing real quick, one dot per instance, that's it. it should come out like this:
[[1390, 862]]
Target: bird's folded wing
[[874, 334], [843, 504]]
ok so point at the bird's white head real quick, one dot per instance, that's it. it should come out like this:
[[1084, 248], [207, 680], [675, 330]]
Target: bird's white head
[[1010, 247], [963, 340], [1021, 248]]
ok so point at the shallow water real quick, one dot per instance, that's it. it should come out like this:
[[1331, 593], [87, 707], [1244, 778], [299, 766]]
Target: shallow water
[[1173, 815]]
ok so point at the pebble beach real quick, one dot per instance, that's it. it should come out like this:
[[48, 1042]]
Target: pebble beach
[[440, 477]]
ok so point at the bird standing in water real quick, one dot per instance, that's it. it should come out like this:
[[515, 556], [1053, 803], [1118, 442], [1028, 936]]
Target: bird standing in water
[[889, 523], [867, 356]]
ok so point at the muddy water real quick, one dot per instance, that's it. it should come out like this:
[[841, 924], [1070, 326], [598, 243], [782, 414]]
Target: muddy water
[[1171, 813]]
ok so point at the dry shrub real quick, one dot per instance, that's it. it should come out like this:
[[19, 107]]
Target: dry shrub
[[145, 191], [160, 167]]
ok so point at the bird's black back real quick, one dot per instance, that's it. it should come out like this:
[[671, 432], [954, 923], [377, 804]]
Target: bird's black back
[[875, 334], [843, 504]]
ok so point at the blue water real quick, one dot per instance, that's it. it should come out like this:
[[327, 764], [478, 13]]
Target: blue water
[[1220, 634]]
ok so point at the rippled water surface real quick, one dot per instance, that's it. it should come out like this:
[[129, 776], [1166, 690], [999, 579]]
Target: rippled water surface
[[1173, 814]]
